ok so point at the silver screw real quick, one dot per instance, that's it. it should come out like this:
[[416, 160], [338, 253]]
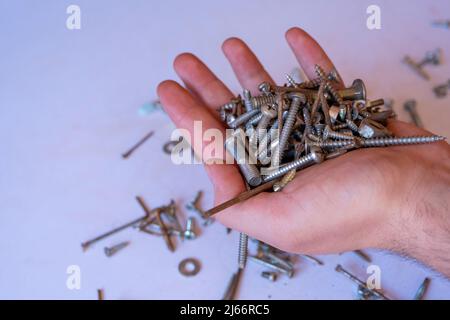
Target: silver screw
[[316, 156], [235, 145], [243, 118], [394, 141], [189, 233], [242, 253], [248, 100], [297, 99], [410, 107], [328, 133], [321, 74], [110, 251]]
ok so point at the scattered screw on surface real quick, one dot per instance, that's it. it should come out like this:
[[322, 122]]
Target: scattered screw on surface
[[137, 145], [189, 232], [100, 294], [110, 251], [362, 255], [431, 57], [87, 244], [242, 253], [375, 292], [410, 107], [422, 290], [269, 275], [196, 207]]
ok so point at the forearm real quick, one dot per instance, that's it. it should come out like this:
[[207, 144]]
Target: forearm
[[425, 230]]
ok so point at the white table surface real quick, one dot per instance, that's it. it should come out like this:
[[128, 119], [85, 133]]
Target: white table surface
[[69, 105]]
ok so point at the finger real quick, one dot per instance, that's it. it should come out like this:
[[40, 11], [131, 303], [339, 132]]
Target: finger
[[249, 71], [184, 110], [199, 79], [308, 52]]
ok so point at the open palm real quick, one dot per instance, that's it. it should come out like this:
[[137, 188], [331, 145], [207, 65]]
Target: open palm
[[365, 198]]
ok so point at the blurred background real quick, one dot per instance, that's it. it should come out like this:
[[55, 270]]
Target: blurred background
[[71, 104]]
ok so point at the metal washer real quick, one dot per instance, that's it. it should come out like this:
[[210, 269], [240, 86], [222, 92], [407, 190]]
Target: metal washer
[[189, 261]]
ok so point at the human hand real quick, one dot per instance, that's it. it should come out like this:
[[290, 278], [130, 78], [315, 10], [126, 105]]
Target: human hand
[[390, 198]]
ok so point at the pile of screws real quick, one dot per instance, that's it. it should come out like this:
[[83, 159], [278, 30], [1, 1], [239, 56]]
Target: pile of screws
[[288, 128]]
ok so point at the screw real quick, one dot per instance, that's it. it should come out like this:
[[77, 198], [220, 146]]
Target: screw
[[268, 113], [422, 290], [249, 170], [397, 141], [243, 118], [270, 265], [189, 233], [137, 145], [262, 100], [316, 156], [410, 107], [110, 251], [359, 282], [248, 100], [415, 67], [269, 275], [288, 177], [297, 99], [356, 92], [441, 90], [321, 74], [362, 255], [100, 294], [242, 253], [328, 133]]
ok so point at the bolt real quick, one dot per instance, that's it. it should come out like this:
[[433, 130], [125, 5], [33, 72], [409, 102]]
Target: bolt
[[189, 232], [235, 145], [356, 92], [316, 156], [110, 251], [269, 275], [410, 107]]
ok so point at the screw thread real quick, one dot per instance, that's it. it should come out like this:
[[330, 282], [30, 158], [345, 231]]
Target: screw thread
[[395, 141], [243, 118], [350, 124], [322, 76], [242, 253], [288, 125], [248, 104], [300, 163], [262, 100]]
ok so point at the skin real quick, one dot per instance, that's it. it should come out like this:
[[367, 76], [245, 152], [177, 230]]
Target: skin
[[394, 198]]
